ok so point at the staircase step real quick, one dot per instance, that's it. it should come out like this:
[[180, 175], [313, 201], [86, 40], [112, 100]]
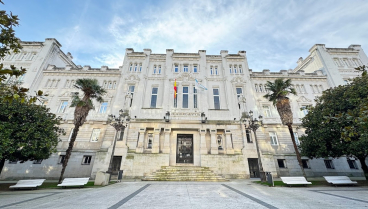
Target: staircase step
[[183, 173]]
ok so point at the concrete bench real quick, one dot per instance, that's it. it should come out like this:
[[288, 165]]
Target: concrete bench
[[295, 180], [31, 183], [339, 180], [73, 182]]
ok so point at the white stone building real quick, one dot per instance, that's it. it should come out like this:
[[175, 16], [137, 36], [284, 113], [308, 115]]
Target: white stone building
[[144, 86]]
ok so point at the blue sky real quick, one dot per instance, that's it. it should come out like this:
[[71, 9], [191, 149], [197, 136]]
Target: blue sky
[[274, 33]]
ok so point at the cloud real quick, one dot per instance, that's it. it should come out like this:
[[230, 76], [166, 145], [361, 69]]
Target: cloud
[[274, 33]]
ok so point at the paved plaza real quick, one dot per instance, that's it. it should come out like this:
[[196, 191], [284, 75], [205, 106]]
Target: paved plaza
[[232, 194]]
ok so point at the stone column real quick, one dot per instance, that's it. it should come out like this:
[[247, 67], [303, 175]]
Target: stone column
[[229, 145], [166, 148], [156, 141], [140, 146], [203, 148], [214, 146]]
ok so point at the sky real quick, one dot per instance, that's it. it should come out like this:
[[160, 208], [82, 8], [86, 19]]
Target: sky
[[273, 33]]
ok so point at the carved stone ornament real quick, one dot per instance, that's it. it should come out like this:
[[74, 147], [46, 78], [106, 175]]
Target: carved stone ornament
[[237, 79], [132, 78], [303, 99]]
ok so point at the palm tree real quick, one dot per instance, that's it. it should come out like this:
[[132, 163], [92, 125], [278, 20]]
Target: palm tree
[[91, 90], [278, 92]]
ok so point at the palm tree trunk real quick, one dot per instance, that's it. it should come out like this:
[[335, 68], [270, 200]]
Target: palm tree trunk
[[296, 150], [69, 151], [2, 162], [364, 166]]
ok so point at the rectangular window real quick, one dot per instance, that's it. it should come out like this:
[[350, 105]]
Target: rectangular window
[[185, 96], [103, 107], [249, 139], [336, 62], [131, 67], [186, 68], [281, 163], [140, 68], [211, 71], [159, 69], [37, 161], [216, 71], [176, 69], [304, 111], [256, 87], [63, 106], [240, 69], [154, 97], [195, 69], [61, 159], [273, 138], [239, 92], [135, 68], [235, 71], [230, 69], [266, 111], [297, 142], [195, 97], [154, 69], [216, 98], [131, 91], [305, 163], [352, 164], [95, 134], [329, 164], [71, 133], [86, 160]]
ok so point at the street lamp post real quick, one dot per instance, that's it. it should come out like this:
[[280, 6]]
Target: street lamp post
[[254, 124], [119, 123]]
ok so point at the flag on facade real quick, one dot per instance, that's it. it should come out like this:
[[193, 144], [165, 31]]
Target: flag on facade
[[175, 89], [198, 85]]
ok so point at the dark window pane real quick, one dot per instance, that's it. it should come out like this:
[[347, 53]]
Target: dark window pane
[[239, 90], [281, 163], [185, 101], [217, 102], [153, 101], [154, 90], [215, 92], [185, 89]]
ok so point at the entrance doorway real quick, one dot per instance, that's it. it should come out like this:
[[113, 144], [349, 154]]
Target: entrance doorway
[[184, 148], [116, 162], [253, 167]]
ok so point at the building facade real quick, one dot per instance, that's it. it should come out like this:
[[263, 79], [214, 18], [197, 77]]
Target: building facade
[[204, 127]]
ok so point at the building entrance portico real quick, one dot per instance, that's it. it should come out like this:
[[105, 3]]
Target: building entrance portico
[[184, 148]]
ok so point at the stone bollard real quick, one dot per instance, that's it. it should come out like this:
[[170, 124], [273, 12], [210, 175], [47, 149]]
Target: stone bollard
[[102, 178]]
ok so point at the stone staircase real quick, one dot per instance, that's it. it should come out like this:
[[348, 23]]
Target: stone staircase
[[183, 173]]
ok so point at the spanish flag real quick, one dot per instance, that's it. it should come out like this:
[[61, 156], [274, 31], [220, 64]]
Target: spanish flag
[[175, 90]]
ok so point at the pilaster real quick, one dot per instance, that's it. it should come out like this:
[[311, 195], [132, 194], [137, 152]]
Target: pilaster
[[229, 144], [156, 141], [166, 148], [203, 148], [140, 146], [214, 147]]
